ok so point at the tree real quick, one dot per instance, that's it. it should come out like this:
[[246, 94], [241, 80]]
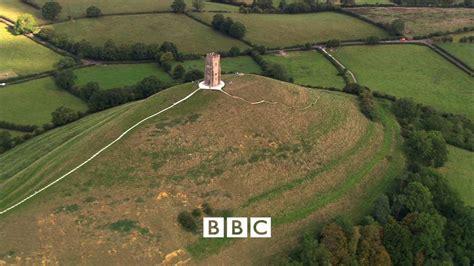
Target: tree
[[313, 253], [234, 51], [5, 141], [88, 90], [406, 110], [416, 197], [237, 30], [370, 249], [149, 86], [427, 230], [468, 3], [381, 210], [178, 71], [371, 40], [193, 75], [348, 2], [170, 47], [399, 243], [93, 12], [282, 5], [65, 62], [51, 10], [277, 71], [333, 43], [178, 6], [186, 220], [264, 4], [65, 79], [427, 147], [397, 27], [335, 241], [198, 5], [25, 24], [166, 61], [226, 25], [217, 21], [63, 115]]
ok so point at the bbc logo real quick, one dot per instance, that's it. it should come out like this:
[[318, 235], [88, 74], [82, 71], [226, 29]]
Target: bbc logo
[[237, 227]]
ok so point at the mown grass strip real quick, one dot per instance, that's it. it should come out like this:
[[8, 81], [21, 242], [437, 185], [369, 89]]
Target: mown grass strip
[[348, 184], [312, 174]]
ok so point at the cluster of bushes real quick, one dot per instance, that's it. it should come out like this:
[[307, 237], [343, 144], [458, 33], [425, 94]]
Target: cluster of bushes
[[443, 39], [306, 6], [467, 39], [366, 99], [456, 129], [109, 51], [272, 70], [442, 33], [190, 221], [228, 26]]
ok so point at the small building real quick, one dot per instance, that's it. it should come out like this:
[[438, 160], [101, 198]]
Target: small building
[[212, 73]]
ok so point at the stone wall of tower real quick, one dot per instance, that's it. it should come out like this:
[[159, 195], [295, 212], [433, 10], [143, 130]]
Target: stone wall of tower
[[213, 70]]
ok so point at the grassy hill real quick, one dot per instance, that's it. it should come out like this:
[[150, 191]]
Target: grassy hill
[[189, 35], [279, 30], [310, 156], [411, 71], [15, 63]]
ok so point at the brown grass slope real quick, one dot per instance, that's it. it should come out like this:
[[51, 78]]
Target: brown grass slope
[[212, 148]]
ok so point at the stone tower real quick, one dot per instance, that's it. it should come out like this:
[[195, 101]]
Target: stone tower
[[212, 76]]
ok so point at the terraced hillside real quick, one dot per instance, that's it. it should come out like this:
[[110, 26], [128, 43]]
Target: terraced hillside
[[305, 155]]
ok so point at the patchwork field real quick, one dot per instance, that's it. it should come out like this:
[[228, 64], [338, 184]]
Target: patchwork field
[[309, 68], [460, 173], [211, 148], [411, 71], [77, 8], [11, 9], [187, 34], [421, 21], [13, 63], [119, 75], [279, 30], [243, 64], [33, 102]]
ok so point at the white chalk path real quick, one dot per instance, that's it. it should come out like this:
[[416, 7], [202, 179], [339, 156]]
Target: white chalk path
[[97, 153], [134, 126]]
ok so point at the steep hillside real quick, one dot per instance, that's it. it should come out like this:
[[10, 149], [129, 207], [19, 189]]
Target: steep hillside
[[299, 156]]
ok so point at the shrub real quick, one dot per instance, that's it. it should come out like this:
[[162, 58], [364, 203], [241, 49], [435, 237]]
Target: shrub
[[93, 12], [63, 115], [65, 79], [51, 10], [148, 86], [65, 62], [237, 30], [333, 43], [367, 103], [372, 40], [25, 24], [198, 5], [123, 226], [196, 213], [88, 90], [206, 207], [397, 27], [178, 71], [186, 220], [193, 75], [234, 51], [178, 6], [277, 71], [427, 147]]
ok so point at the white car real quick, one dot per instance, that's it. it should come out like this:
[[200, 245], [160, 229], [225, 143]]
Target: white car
[[3, 84]]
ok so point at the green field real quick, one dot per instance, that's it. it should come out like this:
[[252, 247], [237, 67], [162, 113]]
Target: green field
[[460, 173], [243, 64], [309, 68], [11, 9], [411, 71], [187, 34], [13, 133], [279, 30], [77, 8], [420, 20], [22, 56], [119, 75], [33, 102], [463, 51]]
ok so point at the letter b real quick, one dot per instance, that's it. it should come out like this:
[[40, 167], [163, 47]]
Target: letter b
[[213, 227], [237, 227]]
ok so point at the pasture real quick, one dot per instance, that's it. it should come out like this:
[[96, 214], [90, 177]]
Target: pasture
[[188, 35], [280, 30], [119, 75], [16, 63], [411, 71], [459, 171], [420, 21], [33, 102], [309, 68], [12, 9], [243, 64], [463, 51], [193, 154], [77, 8]]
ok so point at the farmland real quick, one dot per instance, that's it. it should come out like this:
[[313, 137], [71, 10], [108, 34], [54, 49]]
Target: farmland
[[351, 156], [309, 68], [119, 75], [243, 64], [411, 71], [279, 30], [421, 21], [33, 102], [11, 9], [155, 28], [17, 64]]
